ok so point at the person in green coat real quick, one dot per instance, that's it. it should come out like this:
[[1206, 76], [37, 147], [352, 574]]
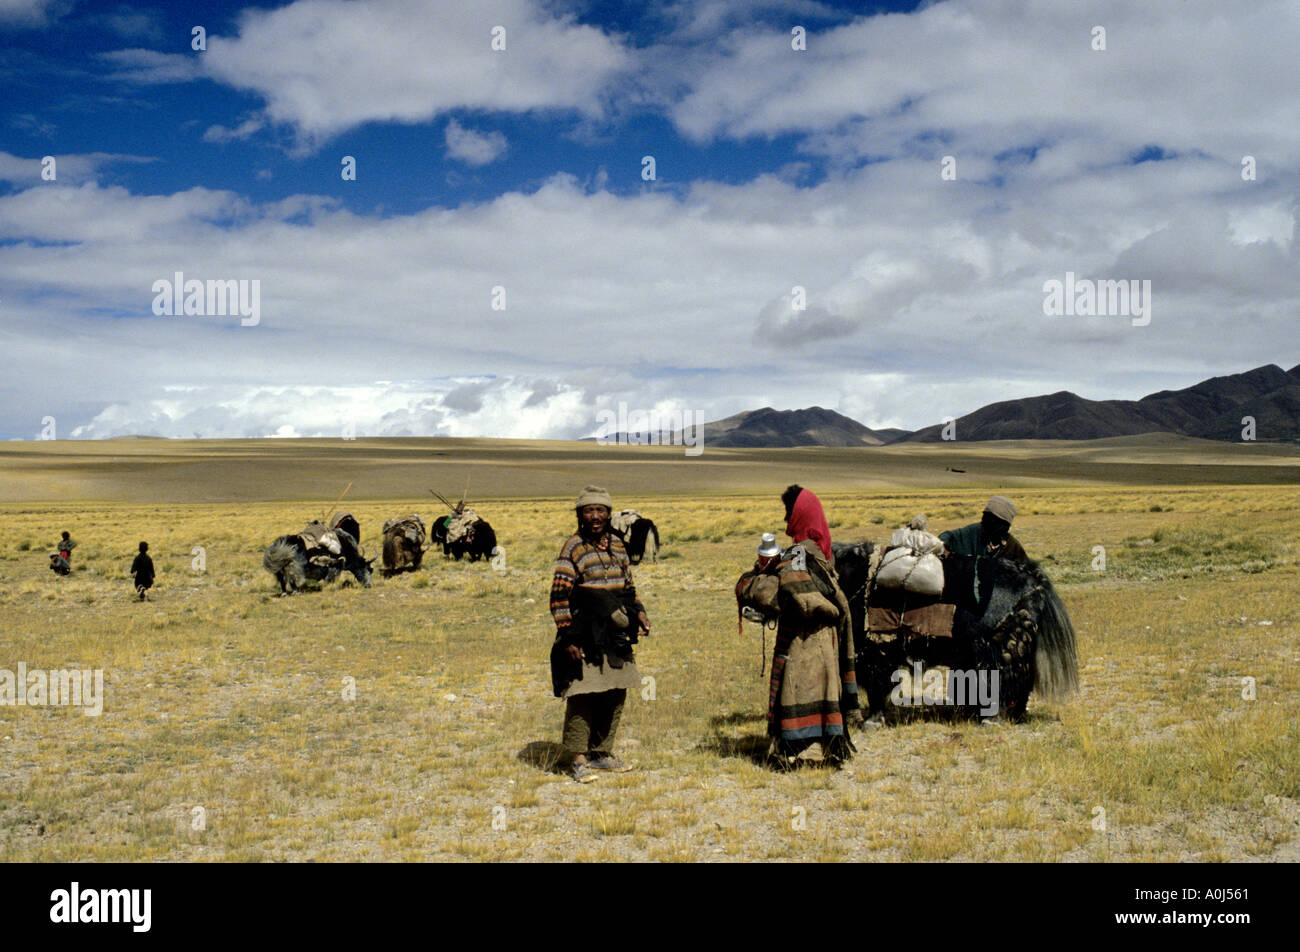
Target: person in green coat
[[990, 537]]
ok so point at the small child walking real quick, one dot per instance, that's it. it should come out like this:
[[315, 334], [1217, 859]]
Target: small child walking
[[142, 569]]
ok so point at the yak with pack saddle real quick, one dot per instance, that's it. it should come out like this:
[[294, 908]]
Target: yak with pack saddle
[[640, 535], [403, 544], [316, 554], [463, 531]]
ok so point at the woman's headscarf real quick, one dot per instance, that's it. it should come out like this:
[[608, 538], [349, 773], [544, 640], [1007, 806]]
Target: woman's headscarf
[[807, 521]]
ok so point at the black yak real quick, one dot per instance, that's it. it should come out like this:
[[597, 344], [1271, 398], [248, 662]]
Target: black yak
[[464, 531], [294, 563], [478, 542], [1017, 626], [640, 535]]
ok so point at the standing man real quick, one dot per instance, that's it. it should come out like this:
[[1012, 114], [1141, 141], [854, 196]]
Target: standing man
[[597, 619], [989, 537]]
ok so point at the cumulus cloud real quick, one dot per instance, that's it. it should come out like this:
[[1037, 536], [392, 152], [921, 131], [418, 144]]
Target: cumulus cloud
[[473, 148], [325, 66], [436, 408], [652, 293], [988, 76], [924, 295]]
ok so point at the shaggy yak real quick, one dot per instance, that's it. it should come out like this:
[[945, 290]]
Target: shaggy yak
[[1017, 627], [293, 564], [640, 535], [403, 544]]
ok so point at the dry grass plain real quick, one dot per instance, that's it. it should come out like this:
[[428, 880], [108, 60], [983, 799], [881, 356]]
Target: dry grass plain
[[222, 696]]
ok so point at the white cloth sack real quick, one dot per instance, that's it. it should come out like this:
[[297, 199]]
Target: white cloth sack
[[912, 563], [621, 522], [918, 540]]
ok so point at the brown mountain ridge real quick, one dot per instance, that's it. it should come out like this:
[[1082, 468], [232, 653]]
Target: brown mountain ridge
[[1212, 409]]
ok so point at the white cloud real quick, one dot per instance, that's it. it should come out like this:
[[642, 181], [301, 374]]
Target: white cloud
[[638, 298], [992, 75], [924, 296], [220, 134], [32, 13], [325, 66], [473, 148], [150, 66], [67, 168]]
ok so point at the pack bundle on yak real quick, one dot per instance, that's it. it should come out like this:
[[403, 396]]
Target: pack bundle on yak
[[403, 544], [911, 561], [463, 531], [348, 523], [318, 553], [640, 535]]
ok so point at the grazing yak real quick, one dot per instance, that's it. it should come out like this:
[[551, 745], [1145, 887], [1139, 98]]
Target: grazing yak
[[463, 532], [403, 544], [640, 535], [316, 554]]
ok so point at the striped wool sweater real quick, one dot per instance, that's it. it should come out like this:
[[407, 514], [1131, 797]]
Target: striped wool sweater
[[602, 565]]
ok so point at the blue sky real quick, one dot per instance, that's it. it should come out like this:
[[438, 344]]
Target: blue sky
[[797, 246]]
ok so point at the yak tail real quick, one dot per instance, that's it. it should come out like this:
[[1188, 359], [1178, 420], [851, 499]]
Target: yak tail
[[1056, 658], [390, 551], [652, 548], [280, 557]]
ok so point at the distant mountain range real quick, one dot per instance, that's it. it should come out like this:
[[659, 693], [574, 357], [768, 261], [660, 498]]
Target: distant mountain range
[[1212, 409], [814, 426]]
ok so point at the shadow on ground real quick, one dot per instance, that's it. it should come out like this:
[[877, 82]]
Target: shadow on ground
[[542, 754], [748, 746]]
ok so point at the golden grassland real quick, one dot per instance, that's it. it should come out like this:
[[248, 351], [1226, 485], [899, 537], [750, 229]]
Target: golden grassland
[[221, 695], [150, 470]]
